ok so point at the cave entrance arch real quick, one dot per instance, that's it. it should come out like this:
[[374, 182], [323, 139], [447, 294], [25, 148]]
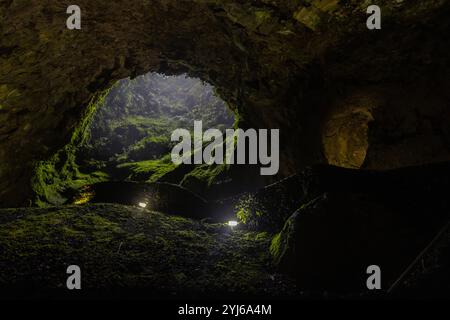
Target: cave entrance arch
[[127, 137], [267, 61], [253, 53]]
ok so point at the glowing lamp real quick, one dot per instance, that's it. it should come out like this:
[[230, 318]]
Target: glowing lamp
[[232, 223], [142, 204]]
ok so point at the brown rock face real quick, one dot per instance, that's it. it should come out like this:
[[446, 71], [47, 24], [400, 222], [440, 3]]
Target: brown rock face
[[293, 65]]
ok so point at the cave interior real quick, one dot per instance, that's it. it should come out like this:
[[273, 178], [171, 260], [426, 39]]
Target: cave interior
[[364, 157]]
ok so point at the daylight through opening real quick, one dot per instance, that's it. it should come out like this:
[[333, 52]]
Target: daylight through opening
[[129, 138]]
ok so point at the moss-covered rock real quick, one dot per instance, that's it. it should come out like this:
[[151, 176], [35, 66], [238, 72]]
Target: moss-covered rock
[[148, 170], [203, 177], [126, 250], [56, 179]]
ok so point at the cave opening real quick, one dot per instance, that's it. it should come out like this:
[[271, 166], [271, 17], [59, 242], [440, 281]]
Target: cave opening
[[130, 134], [127, 139]]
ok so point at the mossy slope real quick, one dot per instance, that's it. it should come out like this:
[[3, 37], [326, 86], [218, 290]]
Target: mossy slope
[[127, 248]]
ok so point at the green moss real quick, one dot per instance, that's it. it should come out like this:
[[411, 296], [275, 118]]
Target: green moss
[[150, 170], [187, 234], [159, 125], [81, 132], [262, 236], [262, 16], [281, 242], [127, 247], [66, 225], [204, 176], [151, 147], [243, 215], [206, 173], [55, 177], [100, 174], [275, 248], [245, 208]]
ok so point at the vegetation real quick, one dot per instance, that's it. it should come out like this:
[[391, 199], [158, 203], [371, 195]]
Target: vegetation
[[55, 178], [138, 117], [253, 213], [126, 247], [125, 135], [204, 176], [149, 170]]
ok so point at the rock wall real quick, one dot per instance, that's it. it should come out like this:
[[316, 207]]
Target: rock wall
[[279, 63]]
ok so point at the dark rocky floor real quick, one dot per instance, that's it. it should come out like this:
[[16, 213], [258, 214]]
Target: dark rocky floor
[[127, 251]]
